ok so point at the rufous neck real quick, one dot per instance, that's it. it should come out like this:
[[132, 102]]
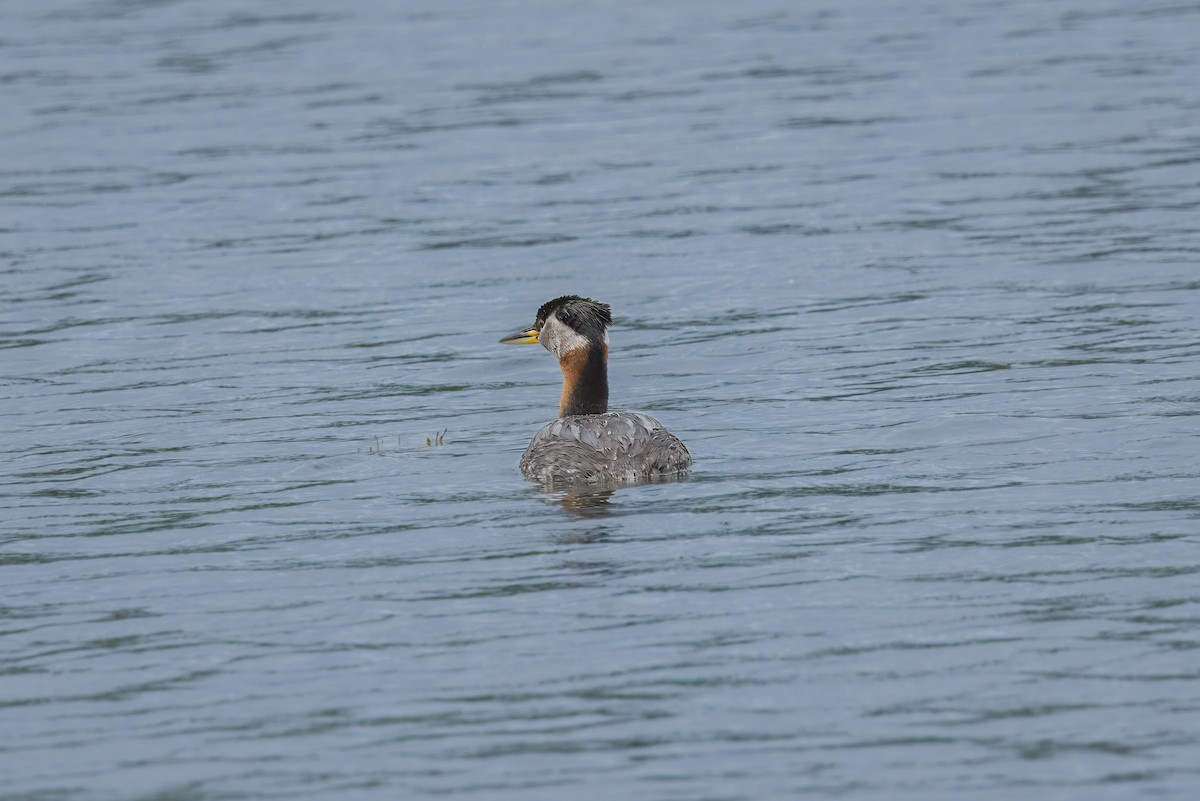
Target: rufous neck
[[585, 381]]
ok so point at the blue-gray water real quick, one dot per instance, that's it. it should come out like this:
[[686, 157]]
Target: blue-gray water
[[916, 282]]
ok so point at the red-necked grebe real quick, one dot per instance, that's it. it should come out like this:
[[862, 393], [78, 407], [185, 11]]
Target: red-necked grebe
[[588, 443]]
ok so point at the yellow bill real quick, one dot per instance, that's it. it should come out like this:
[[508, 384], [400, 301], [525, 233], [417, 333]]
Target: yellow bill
[[527, 337]]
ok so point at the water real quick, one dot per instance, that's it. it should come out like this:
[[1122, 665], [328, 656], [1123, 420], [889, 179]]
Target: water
[[916, 283]]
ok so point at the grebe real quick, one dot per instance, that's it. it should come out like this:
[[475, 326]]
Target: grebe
[[588, 443]]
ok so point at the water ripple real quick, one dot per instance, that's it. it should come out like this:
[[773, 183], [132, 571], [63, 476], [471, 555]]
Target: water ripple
[[916, 288]]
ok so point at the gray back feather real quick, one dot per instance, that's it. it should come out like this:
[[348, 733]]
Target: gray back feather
[[615, 447]]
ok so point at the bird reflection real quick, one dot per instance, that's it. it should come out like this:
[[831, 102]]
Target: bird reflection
[[591, 502]]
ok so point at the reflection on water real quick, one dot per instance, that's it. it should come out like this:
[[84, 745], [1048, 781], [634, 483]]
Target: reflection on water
[[586, 503], [916, 284], [583, 537]]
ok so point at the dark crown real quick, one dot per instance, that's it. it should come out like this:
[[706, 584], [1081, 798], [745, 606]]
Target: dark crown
[[576, 312]]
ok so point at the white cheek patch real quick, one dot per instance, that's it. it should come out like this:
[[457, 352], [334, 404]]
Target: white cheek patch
[[560, 339]]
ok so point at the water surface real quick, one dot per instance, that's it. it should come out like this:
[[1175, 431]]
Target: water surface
[[916, 283]]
